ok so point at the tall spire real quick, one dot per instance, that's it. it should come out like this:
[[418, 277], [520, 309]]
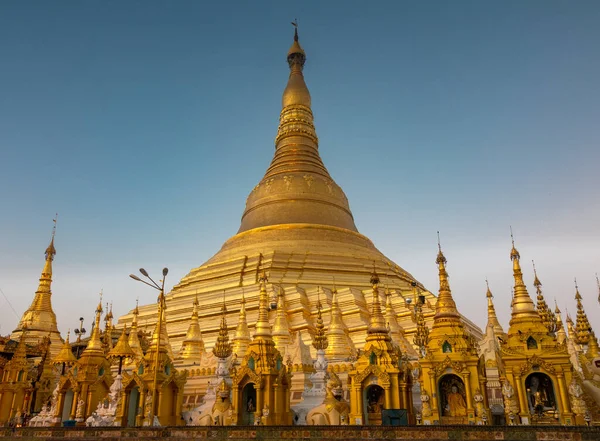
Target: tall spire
[[339, 347], [95, 343], [492, 318], [523, 309], [193, 345], [262, 329], [281, 327], [242, 334], [582, 326], [396, 331], [134, 341], [445, 307], [546, 314], [40, 318], [377, 328], [297, 188], [108, 326], [561, 335], [593, 349], [320, 342], [222, 348]]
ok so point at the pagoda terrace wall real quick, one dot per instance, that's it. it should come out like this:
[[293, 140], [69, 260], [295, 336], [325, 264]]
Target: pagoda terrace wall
[[306, 433]]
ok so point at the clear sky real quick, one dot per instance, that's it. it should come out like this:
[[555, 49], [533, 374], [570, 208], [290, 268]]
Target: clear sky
[[145, 125]]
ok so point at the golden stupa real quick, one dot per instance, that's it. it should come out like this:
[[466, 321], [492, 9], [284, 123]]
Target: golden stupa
[[297, 228]]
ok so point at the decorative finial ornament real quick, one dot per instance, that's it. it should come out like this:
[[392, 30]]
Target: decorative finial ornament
[[55, 220], [598, 283], [514, 254], [488, 294], [439, 244], [295, 24]]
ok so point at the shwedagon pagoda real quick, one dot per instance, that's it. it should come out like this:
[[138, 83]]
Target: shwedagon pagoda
[[299, 320]]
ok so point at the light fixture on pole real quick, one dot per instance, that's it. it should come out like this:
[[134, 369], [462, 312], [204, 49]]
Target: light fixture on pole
[[161, 309]]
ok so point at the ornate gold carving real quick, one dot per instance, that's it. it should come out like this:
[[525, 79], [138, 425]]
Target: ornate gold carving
[[457, 366], [536, 361]]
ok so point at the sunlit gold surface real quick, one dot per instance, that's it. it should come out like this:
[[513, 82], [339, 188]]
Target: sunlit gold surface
[[582, 325], [298, 228], [531, 348], [492, 317], [40, 319], [450, 349], [193, 345]]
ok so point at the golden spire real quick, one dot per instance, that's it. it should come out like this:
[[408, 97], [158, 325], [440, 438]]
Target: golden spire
[[165, 345], [122, 348], [593, 350], [134, 341], [242, 334], [582, 327], [561, 335], [421, 337], [66, 354], [571, 328], [338, 346], [523, 309], [281, 327], [396, 331], [445, 307], [377, 327], [492, 318], [94, 343], [320, 342], [546, 314], [193, 346], [108, 328], [222, 348], [297, 188], [262, 329], [40, 317]]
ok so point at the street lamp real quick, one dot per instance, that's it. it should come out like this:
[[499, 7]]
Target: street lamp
[[80, 333], [161, 308]]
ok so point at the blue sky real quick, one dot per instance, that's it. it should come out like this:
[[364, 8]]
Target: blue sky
[[145, 125]]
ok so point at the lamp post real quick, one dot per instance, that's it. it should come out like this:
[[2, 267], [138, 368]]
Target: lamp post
[[80, 333], [161, 308]]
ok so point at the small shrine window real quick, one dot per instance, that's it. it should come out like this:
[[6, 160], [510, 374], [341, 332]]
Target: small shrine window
[[141, 369], [20, 377], [372, 358], [531, 343], [251, 363], [446, 347], [101, 371], [168, 369]]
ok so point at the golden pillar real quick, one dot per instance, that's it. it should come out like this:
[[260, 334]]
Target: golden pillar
[[562, 392], [468, 392], [434, 395], [139, 419], [259, 401], [73, 411], [388, 397], [524, 408]]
